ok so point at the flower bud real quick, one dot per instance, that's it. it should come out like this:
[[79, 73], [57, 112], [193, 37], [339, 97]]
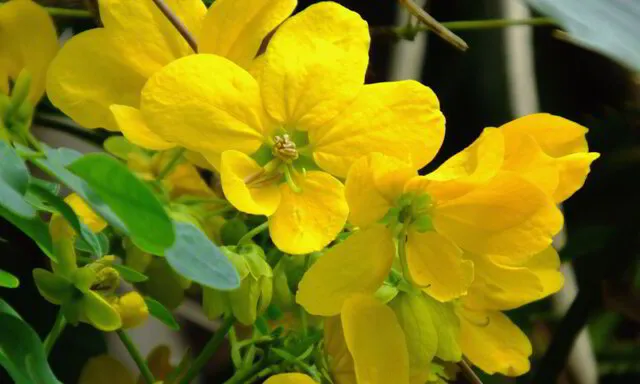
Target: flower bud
[[132, 309]]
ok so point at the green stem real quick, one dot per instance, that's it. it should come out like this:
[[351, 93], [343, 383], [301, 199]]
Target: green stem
[[253, 232], [296, 361], [135, 355], [497, 23], [177, 156], [236, 359], [208, 350], [55, 332], [65, 12], [245, 376], [468, 372], [402, 253]]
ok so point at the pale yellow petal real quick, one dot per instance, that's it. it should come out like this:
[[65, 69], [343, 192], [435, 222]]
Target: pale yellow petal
[[436, 264], [204, 103], [376, 341], [400, 119], [134, 128], [235, 29], [309, 220], [290, 378], [340, 360], [360, 264], [104, 369], [29, 42], [86, 215], [315, 65], [493, 343], [507, 217], [236, 167]]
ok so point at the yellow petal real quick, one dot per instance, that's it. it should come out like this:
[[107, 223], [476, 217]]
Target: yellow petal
[[133, 127], [104, 369], [372, 185], [437, 264], [340, 360], [235, 168], [235, 29], [86, 215], [29, 42], [421, 336], [556, 135], [290, 378], [315, 65], [467, 169], [204, 103], [400, 119], [502, 287], [573, 171], [360, 264], [507, 217], [493, 343], [100, 313], [307, 221], [89, 74], [375, 340]]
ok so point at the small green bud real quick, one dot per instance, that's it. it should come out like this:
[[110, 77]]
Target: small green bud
[[423, 223], [232, 231], [19, 92]]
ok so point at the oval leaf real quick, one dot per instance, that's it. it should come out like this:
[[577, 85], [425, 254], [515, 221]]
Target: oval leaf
[[14, 178], [195, 257], [131, 199], [130, 275], [7, 280], [160, 312]]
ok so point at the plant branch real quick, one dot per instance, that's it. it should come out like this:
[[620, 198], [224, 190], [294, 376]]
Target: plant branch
[[71, 13], [135, 355], [253, 232], [433, 25], [177, 23], [166, 170], [55, 332], [468, 373]]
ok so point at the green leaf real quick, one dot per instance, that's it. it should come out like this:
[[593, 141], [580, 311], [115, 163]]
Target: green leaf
[[60, 206], [34, 228], [129, 274], [120, 147], [6, 308], [7, 280], [131, 199], [160, 312], [14, 179], [22, 353], [195, 257], [102, 249]]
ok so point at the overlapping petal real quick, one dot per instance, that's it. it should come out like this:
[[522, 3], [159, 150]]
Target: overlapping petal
[[399, 119], [309, 220], [290, 378], [359, 264], [376, 341], [340, 360], [235, 169], [315, 65], [132, 125], [236, 29], [493, 343], [29, 42]]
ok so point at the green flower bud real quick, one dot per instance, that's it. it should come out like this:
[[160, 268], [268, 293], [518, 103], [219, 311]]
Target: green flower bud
[[232, 231]]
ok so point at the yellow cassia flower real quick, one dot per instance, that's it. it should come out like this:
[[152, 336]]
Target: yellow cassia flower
[[29, 43], [110, 65], [506, 216], [305, 109]]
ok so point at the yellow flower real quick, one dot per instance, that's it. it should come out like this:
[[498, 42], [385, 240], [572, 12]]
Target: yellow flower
[[487, 337], [110, 65], [505, 216], [132, 309], [29, 43], [86, 215], [304, 116]]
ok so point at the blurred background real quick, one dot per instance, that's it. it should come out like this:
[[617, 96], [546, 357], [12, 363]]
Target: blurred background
[[587, 333]]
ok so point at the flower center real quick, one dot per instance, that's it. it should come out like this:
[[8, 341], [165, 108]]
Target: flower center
[[284, 148]]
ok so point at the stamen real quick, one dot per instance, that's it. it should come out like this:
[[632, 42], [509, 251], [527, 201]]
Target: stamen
[[287, 175], [284, 148]]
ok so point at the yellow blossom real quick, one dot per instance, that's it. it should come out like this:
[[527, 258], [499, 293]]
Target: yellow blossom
[[281, 135], [132, 309], [86, 215], [110, 65]]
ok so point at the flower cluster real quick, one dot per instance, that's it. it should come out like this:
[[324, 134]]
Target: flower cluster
[[404, 273]]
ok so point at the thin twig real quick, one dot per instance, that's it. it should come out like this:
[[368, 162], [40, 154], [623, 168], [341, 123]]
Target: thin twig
[[177, 23], [468, 373], [434, 25]]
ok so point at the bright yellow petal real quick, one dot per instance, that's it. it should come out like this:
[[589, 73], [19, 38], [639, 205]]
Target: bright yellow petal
[[373, 184], [573, 171], [437, 264], [556, 135], [421, 336], [235, 168], [86, 215], [104, 369], [467, 169], [204, 103], [89, 74], [400, 119], [375, 340], [507, 217], [29, 42], [134, 128], [315, 65], [309, 220], [493, 343], [340, 360], [235, 29], [360, 264], [290, 378]]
